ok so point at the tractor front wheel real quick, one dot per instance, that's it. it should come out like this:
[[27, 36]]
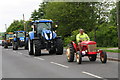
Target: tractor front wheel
[[79, 58], [30, 47], [103, 57], [70, 53], [15, 46]]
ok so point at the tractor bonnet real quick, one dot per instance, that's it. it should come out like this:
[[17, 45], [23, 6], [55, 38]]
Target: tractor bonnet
[[88, 42]]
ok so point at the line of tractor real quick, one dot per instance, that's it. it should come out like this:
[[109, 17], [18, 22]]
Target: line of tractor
[[44, 36]]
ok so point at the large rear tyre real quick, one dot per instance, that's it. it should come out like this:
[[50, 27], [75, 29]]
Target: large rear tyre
[[30, 47], [103, 57], [70, 53], [36, 48], [79, 58], [92, 57], [59, 47], [15, 46]]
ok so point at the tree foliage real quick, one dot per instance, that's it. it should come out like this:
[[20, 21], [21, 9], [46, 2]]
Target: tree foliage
[[15, 26]]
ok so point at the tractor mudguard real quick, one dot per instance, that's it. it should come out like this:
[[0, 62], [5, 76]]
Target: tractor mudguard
[[31, 35], [74, 45]]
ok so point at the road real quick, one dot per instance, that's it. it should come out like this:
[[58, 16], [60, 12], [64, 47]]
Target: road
[[18, 64]]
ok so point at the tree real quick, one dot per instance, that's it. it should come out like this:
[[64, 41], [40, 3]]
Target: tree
[[15, 26]]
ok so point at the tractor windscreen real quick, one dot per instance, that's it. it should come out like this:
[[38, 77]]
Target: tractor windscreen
[[43, 26], [21, 34], [9, 36]]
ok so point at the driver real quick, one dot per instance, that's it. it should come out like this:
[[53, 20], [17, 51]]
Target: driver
[[82, 36]]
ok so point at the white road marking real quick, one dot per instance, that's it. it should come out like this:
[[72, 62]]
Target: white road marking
[[92, 75], [60, 65], [39, 58]]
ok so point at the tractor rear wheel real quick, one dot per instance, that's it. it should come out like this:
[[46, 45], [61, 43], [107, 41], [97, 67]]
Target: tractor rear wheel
[[36, 48], [79, 58], [30, 47], [103, 57], [59, 47], [70, 53], [92, 57]]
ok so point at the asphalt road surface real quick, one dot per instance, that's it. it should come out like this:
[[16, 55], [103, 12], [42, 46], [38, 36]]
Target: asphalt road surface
[[18, 64]]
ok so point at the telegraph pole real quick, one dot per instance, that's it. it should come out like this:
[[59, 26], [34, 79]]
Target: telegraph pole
[[118, 22], [6, 27], [24, 22]]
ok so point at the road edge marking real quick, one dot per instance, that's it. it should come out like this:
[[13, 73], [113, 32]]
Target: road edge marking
[[60, 64]]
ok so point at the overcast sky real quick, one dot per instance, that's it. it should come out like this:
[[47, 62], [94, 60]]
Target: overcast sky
[[14, 9]]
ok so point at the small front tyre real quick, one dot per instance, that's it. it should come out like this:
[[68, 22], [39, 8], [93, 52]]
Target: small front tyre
[[103, 57], [79, 58], [15, 46]]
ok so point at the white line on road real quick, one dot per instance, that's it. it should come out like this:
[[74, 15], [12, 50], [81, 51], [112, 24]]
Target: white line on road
[[60, 65], [39, 58], [92, 75]]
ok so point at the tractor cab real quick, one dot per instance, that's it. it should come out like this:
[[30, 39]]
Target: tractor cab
[[44, 28]]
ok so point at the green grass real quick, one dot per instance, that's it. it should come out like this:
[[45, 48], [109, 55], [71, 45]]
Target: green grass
[[107, 49], [115, 51]]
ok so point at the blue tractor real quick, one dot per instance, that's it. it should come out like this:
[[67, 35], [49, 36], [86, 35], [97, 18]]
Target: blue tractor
[[43, 36], [20, 40]]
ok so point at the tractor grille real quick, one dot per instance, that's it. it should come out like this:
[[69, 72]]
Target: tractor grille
[[48, 34], [92, 48]]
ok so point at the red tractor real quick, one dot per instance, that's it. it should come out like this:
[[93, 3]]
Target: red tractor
[[85, 48]]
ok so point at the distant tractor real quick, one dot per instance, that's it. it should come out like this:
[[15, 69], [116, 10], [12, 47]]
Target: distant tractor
[[85, 48], [43, 36], [20, 40], [8, 37]]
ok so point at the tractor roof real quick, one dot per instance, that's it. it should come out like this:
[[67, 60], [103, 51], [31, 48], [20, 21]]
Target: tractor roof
[[42, 20]]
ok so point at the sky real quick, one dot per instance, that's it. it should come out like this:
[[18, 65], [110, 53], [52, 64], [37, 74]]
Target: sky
[[11, 10]]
